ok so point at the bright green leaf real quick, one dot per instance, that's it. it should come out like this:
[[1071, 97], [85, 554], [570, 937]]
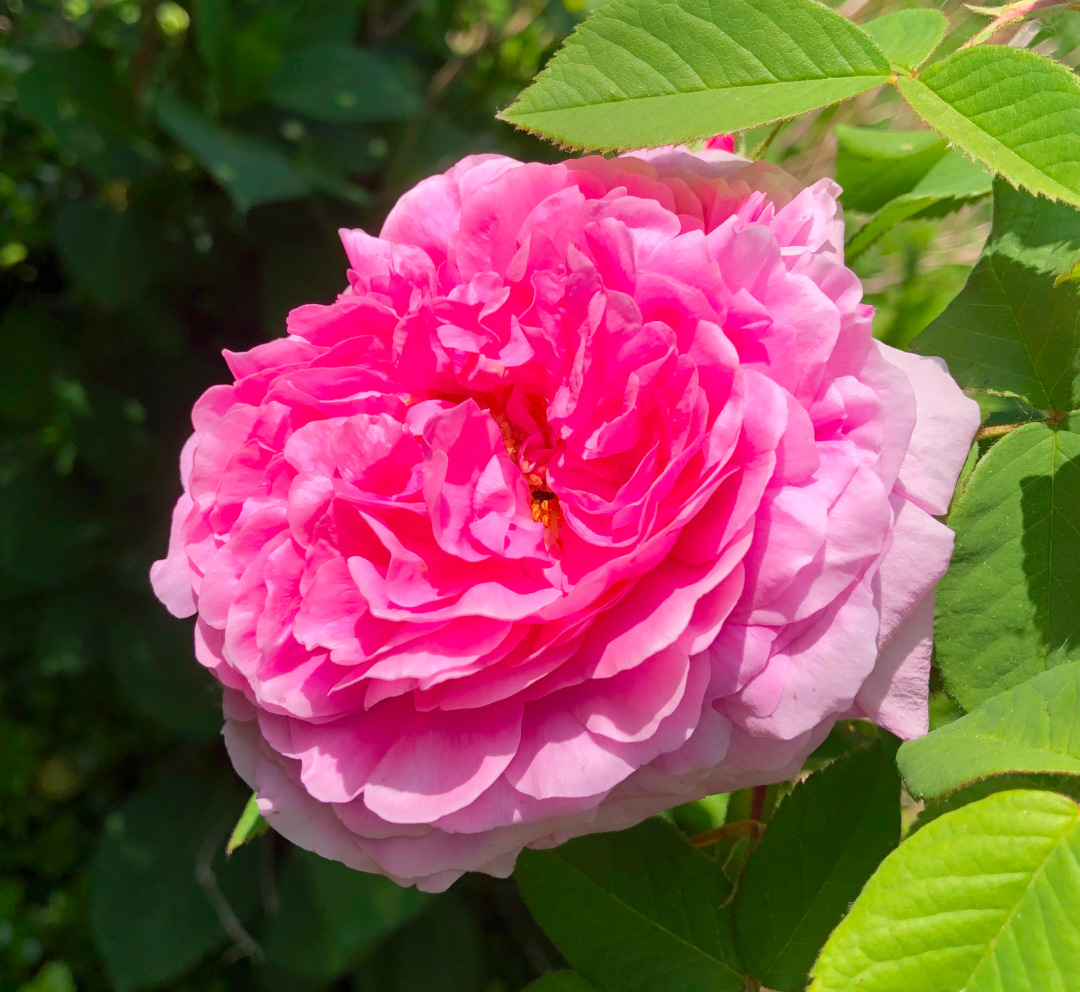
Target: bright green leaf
[[343, 84], [982, 899], [250, 825], [653, 72], [635, 911], [1034, 727], [1016, 112], [330, 913], [251, 171], [1011, 329], [1071, 274], [1009, 606], [820, 847], [908, 37], [952, 182], [154, 879]]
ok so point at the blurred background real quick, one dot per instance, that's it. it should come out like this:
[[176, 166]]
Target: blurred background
[[172, 177]]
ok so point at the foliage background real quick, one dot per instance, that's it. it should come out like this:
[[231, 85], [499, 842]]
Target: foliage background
[[172, 177]]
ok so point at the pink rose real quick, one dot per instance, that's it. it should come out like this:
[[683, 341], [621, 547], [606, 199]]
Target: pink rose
[[592, 495]]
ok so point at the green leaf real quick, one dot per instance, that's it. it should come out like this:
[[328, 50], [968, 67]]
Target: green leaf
[[53, 977], [106, 251], [908, 37], [653, 72], [635, 911], [150, 658], [442, 950], [1016, 112], [75, 95], [982, 899], [1034, 727], [330, 913], [1011, 329], [251, 171], [46, 536], [160, 882], [1009, 606], [561, 981], [820, 847], [874, 166], [250, 825], [213, 27], [343, 84], [952, 182]]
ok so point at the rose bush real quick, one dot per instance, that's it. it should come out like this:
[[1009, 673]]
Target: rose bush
[[592, 495]]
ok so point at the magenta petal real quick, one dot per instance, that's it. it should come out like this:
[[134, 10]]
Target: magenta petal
[[590, 495], [945, 424], [894, 695], [441, 761], [171, 577]]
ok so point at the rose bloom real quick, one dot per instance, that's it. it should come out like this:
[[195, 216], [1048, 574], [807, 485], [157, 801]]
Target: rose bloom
[[592, 495]]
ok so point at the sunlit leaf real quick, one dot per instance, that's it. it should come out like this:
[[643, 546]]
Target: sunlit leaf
[[1034, 727], [1012, 329], [250, 825], [908, 37], [1016, 112], [653, 72], [982, 899], [1009, 606]]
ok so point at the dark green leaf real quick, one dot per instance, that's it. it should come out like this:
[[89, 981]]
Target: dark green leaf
[[1016, 112], [160, 881], [46, 536], [908, 37], [441, 950], [330, 913], [212, 29], [980, 900], [251, 171], [343, 84], [654, 72], [1034, 727], [820, 847], [153, 661], [1011, 329], [75, 95], [561, 981], [106, 251], [1009, 606], [637, 911]]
